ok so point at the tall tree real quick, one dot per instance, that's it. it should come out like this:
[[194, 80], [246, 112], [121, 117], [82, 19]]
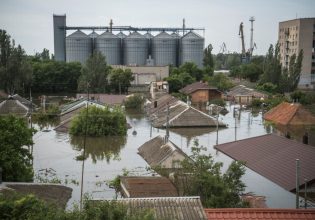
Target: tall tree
[[15, 158], [208, 57], [94, 72], [120, 80], [290, 76], [15, 69]]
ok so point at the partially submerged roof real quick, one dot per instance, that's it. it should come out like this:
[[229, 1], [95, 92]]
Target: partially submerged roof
[[155, 151], [179, 208], [11, 106], [54, 193], [180, 114], [196, 86], [107, 99], [274, 157], [147, 186], [266, 214], [242, 90], [290, 114]]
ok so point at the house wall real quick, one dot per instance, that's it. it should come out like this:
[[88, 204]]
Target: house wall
[[214, 94], [170, 162], [243, 99], [200, 96]]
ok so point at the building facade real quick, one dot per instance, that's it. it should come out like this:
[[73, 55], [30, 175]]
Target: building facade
[[295, 35]]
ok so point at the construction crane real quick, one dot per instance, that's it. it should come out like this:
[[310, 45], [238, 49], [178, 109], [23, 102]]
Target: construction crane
[[244, 56], [222, 48]]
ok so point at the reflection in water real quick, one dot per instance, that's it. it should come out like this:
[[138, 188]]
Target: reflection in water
[[191, 133], [100, 148], [44, 121]]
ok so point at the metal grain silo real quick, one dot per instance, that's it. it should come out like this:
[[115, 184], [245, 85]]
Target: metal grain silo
[[135, 48], [177, 37], [164, 49], [121, 35], [191, 48], [78, 47], [110, 46], [93, 37]]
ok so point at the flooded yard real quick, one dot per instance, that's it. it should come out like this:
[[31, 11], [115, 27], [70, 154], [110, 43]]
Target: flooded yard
[[108, 156]]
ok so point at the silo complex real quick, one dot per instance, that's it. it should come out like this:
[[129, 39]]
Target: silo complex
[[78, 47], [191, 48], [135, 48], [110, 46], [164, 49], [93, 37]]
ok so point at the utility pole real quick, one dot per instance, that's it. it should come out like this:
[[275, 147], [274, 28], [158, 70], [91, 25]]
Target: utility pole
[[84, 144], [297, 183], [305, 193]]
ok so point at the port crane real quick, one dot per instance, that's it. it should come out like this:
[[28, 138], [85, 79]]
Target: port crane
[[245, 55]]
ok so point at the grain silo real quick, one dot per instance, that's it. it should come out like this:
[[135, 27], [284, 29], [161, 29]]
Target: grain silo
[[164, 49], [191, 48], [93, 37], [121, 35], [177, 37], [78, 47], [135, 48], [110, 46]]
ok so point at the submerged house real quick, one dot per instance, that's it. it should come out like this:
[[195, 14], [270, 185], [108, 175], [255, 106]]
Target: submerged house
[[274, 157], [146, 186], [104, 99], [200, 93], [244, 95], [159, 152], [72, 109], [13, 106], [293, 121], [179, 114]]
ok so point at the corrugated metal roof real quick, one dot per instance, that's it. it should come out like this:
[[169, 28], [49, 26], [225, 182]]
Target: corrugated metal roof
[[274, 157], [78, 34], [266, 214], [179, 208], [155, 151], [290, 114], [147, 186]]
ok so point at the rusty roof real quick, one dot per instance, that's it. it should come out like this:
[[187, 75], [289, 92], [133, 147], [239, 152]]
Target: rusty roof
[[266, 214], [155, 151], [196, 86], [274, 157], [290, 114], [147, 186], [179, 208]]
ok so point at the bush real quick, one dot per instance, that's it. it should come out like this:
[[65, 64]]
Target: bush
[[99, 122], [134, 102], [267, 87]]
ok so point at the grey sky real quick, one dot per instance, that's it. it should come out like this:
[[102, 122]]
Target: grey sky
[[30, 22]]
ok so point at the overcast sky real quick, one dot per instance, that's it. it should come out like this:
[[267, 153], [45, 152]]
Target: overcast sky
[[30, 22]]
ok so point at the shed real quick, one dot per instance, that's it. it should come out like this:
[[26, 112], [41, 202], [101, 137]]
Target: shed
[[146, 186], [158, 152], [274, 157], [244, 95]]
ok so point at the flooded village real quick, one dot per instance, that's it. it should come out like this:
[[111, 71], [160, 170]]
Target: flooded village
[[126, 122]]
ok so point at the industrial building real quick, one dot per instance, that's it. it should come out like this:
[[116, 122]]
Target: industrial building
[[296, 35], [168, 46]]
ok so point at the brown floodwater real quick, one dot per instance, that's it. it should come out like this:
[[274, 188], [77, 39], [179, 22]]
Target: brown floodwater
[[108, 156]]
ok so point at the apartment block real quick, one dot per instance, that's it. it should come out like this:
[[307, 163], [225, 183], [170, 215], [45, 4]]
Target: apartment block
[[295, 35]]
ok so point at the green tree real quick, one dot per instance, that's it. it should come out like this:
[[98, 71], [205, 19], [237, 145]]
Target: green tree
[[251, 71], [233, 60], [15, 69], [221, 81], [15, 158], [99, 122], [120, 80], [54, 76], [134, 102], [208, 61], [94, 72], [200, 175], [290, 76], [178, 81], [191, 69], [272, 67]]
